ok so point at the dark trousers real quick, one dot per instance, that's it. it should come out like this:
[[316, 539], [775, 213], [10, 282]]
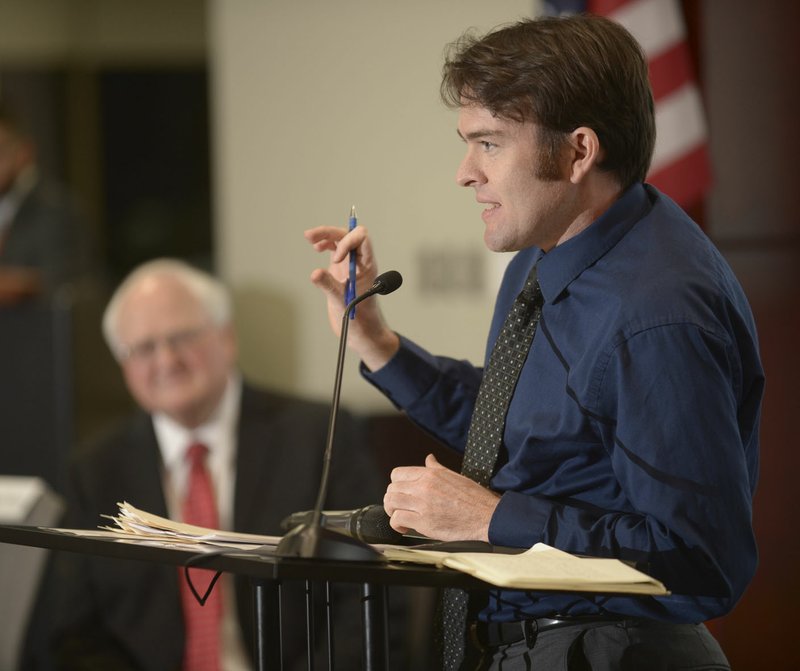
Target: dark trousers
[[616, 646]]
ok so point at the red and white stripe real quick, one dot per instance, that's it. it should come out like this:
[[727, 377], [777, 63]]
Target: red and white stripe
[[681, 166]]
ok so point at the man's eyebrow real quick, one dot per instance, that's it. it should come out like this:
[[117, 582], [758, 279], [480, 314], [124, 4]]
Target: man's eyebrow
[[479, 133]]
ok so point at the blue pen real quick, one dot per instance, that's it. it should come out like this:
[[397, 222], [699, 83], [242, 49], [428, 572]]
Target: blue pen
[[350, 286]]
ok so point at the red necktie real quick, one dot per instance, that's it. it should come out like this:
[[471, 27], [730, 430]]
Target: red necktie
[[202, 623]]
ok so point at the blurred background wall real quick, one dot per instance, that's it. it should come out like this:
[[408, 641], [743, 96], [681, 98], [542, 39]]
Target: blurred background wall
[[218, 130], [319, 106]]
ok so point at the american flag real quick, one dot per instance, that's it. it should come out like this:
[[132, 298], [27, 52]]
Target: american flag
[[681, 166]]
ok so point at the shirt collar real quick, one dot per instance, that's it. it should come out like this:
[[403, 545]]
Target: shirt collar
[[565, 262], [173, 438]]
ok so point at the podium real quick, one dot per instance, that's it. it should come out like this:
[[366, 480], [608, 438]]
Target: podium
[[266, 572]]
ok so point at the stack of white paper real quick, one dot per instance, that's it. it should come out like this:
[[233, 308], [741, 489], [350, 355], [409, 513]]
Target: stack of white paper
[[135, 524]]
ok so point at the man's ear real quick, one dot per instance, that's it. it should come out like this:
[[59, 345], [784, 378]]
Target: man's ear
[[586, 153]]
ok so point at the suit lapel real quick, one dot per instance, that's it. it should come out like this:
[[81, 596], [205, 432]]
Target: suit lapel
[[143, 468], [253, 473]]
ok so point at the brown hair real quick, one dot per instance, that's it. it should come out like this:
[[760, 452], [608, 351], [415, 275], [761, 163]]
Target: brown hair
[[562, 73]]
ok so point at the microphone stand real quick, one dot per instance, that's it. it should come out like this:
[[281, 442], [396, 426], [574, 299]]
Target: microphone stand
[[311, 540]]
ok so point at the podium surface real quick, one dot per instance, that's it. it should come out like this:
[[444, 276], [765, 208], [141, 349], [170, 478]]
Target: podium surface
[[263, 565], [265, 571]]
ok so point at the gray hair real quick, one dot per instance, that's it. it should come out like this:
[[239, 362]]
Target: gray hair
[[212, 294]]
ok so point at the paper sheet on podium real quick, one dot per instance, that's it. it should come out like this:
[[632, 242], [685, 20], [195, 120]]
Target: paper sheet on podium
[[132, 523], [541, 567]]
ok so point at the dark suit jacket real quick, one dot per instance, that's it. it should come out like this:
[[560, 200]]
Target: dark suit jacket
[[111, 614], [49, 234]]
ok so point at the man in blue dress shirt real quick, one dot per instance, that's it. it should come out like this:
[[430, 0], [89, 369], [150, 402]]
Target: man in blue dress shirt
[[633, 428]]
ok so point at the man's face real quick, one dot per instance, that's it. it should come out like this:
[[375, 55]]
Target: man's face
[[527, 201], [178, 361]]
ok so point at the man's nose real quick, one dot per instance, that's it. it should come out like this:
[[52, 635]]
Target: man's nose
[[166, 352], [468, 173]]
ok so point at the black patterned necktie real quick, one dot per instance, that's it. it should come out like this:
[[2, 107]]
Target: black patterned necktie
[[486, 436]]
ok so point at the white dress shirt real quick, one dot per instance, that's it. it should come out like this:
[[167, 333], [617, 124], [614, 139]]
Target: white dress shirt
[[219, 435]]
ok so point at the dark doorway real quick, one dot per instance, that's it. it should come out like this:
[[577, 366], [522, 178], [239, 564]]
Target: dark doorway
[[155, 160]]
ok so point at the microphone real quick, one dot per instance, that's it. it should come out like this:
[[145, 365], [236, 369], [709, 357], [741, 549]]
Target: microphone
[[369, 524], [311, 539], [384, 284]]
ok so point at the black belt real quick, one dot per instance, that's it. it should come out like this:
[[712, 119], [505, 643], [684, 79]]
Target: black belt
[[493, 634]]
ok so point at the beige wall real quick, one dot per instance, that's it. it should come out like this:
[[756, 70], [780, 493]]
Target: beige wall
[[320, 105]]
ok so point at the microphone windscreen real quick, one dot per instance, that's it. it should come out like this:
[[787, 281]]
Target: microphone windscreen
[[388, 282], [371, 525]]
